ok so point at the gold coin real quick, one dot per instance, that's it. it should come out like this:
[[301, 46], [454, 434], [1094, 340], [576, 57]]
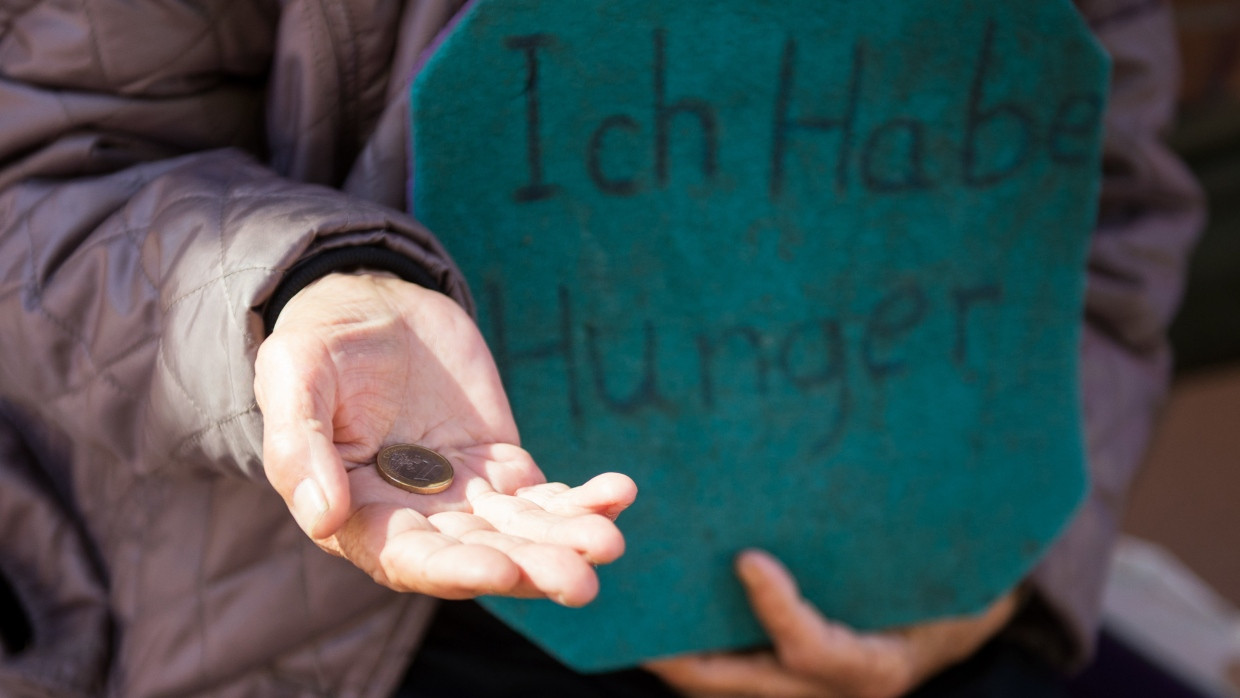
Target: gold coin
[[414, 468]]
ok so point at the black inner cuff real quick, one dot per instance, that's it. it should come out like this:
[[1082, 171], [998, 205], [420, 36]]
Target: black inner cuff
[[338, 260]]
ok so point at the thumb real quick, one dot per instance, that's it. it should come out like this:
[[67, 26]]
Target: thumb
[[295, 386]]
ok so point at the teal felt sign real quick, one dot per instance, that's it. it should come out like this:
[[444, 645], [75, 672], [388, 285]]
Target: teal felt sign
[[811, 272]]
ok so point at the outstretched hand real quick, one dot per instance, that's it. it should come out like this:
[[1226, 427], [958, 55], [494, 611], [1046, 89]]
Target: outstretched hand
[[813, 657], [359, 362]]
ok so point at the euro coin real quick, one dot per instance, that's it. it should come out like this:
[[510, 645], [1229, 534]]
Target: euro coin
[[414, 468]]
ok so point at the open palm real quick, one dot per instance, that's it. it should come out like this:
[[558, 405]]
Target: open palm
[[358, 362]]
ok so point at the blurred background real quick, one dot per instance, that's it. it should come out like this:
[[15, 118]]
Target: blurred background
[[1175, 581]]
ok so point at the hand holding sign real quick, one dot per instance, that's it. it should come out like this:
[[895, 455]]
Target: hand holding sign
[[359, 362], [812, 656]]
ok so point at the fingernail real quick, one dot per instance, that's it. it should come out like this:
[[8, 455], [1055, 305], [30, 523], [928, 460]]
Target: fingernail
[[309, 504]]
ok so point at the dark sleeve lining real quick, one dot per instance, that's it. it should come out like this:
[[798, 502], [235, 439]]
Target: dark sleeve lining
[[343, 259]]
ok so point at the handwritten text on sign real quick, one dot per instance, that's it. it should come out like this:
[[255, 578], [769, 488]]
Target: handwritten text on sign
[[839, 140], [995, 138], [812, 357]]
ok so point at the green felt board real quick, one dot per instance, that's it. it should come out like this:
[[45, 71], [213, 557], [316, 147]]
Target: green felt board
[[811, 272]]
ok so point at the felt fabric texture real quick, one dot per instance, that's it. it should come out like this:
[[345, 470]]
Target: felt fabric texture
[[811, 273]]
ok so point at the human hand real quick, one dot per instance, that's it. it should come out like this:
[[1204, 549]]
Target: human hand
[[815, 657], [358, 362]]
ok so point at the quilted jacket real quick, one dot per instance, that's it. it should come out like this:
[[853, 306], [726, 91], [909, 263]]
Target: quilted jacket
[[164, 163]]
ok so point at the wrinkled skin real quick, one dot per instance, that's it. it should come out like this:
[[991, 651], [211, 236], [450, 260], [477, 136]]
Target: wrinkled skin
[[358, 362]]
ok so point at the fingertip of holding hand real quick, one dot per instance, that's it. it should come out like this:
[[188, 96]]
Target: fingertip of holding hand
[[754, 561], [761, 571]]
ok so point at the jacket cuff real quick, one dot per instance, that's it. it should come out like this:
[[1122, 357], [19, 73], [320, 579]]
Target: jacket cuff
[[338, 260]]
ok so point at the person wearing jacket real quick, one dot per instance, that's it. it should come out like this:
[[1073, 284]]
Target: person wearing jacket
[[213, 314]]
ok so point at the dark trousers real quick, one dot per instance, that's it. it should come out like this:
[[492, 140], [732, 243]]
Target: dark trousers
[[467, 653]]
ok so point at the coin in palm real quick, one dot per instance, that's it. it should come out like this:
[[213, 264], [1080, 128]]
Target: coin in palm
[[415, 468]]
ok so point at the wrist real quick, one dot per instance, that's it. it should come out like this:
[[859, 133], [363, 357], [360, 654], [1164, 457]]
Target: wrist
[[370, 260]]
